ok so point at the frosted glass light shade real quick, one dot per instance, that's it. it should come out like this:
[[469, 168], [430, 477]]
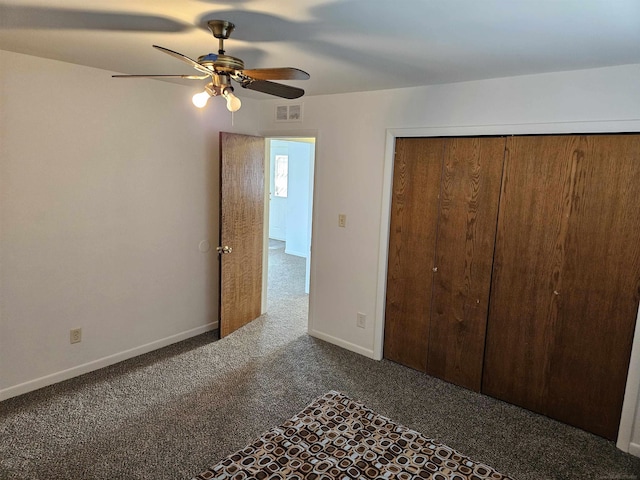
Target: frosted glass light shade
[[200, 99], [233, 102]]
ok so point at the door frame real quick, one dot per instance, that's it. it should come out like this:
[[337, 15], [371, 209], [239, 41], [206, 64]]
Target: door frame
[[288, 135], [632, 392]]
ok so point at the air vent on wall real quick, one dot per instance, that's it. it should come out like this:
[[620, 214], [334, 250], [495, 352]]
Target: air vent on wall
[[289, 113]]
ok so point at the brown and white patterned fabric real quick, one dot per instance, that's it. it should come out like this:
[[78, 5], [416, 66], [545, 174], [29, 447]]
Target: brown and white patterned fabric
[[338, 438]]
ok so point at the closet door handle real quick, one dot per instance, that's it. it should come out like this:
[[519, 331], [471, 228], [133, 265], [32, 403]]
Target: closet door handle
[[435, 269]]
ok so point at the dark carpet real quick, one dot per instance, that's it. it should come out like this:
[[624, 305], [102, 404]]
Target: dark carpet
[[172, 413]]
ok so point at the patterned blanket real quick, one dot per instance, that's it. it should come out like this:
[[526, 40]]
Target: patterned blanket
[[338, 438]]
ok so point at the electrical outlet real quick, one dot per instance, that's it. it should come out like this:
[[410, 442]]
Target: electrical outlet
[[342, 220], [76, 335], [361, 320]]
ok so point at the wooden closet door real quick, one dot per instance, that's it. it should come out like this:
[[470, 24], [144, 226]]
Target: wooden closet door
[[525, 270], [566, 278], [412, 237], [464, 256], [599, 288]]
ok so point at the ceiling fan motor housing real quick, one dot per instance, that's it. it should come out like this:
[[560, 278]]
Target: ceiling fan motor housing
[[224, 63]]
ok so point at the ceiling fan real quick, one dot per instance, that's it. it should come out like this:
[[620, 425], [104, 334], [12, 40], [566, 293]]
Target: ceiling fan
[[221, 69]]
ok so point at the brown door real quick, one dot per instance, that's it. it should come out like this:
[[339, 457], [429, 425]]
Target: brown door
[[469, 197], [525, 263], [241, 228], [566, 281], [443, 222], [412, 239]]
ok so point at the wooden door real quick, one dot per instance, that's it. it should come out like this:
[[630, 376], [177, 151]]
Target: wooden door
[[241, 228], [525, 267], [470, 193], [412, 239], [599, 288], [566, 281]]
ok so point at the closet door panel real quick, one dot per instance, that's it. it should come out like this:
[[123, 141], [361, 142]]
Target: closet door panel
[[529, 251], [597, 293], [470, 191], [412, 238], [566, 279]]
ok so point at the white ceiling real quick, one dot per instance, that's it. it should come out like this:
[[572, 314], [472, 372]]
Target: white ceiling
[[345, 45]]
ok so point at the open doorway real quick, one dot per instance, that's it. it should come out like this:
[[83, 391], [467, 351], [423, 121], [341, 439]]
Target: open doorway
[[289, 224]]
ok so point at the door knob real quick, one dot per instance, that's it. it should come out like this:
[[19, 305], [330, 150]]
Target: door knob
[[223, 250]]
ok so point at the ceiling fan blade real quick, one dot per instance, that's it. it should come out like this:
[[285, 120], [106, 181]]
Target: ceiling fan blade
[[188, 77], [277, 89], [285, 73], [185, 59]]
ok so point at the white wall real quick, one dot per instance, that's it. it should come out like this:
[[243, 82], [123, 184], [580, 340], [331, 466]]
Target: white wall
[[352, 174], [107, 187], [298, 202]]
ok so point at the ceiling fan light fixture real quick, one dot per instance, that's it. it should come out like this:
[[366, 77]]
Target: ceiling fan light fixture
[[233, 102], [200, 99]]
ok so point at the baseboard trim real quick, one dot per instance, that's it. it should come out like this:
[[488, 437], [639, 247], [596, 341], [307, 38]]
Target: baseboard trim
[[352, 347], [295, 253], [634, 449], [57, 377]]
